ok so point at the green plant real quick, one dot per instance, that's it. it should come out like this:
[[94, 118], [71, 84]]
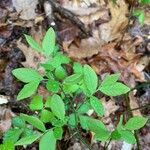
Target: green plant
[[139, 12], [62, 108]]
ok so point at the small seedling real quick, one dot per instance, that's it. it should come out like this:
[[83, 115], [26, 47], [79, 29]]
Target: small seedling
[[61, 107]]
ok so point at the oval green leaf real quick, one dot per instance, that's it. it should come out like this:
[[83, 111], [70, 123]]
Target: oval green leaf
[[57, 106], [34, 121], [48, 140], [90, 79]]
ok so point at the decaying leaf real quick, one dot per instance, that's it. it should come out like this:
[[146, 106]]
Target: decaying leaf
[[33, 58], [86, 48], [26, 8], [111, 60], [114, 28], [5, 119], [102, 32], [110, 106], [134, 104]]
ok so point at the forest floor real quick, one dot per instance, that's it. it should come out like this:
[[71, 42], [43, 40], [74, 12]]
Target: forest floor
[[99, 33]]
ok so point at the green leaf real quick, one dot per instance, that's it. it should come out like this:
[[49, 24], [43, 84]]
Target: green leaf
[[37, 123], [127, 136], [145, 2], [36, 103], [52, 85], [94, 125], [111, 87], [57, 106], [91, 124], [27, 132], [47, 66], [12, 135], [115, 89], [84, 122], [48, 43], [135, 123], [77, 67], [48, 140], [29, 139], [73, 79], [58, 131], [83, 108], [33, 43], [70, 88], [48, 102], [85, 90], [120, 124], [140, 14], [115, 135], [9, 145], [28, 90], [72, 120], [46, 116], [102, 135], [18, 122], [90, 79], [98, 127], [110, 79], [97, 105], [58, 60], [56, 49], [59, 123], [60, 73], [27, 75]]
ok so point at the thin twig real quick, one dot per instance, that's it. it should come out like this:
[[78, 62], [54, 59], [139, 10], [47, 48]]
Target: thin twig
[[130, 15], [131, 115], [141, 85], [141, 107], [107, 144], [71, 16], [76, 126]]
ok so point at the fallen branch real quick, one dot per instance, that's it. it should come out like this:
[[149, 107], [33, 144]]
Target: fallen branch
[[71, 16]]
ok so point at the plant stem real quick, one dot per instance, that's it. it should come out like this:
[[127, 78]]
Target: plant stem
[[77, 129], [141, 85], [131, 115], [142, 107]]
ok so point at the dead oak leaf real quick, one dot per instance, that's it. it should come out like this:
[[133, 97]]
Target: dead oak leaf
[[113, 29], [33, 58], [85, 49], [5, 119], [117, 61]]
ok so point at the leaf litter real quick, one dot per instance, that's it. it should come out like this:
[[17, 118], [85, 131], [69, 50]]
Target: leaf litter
[[107, 23]]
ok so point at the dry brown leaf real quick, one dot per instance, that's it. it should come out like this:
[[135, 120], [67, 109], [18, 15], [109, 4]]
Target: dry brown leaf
[[117, 61], [87, 48], [26, 8], [110, 106], [43, 91], [106, 32], [5, 119], [68, 32], [113, 29], [33, 58], [134, 104]]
